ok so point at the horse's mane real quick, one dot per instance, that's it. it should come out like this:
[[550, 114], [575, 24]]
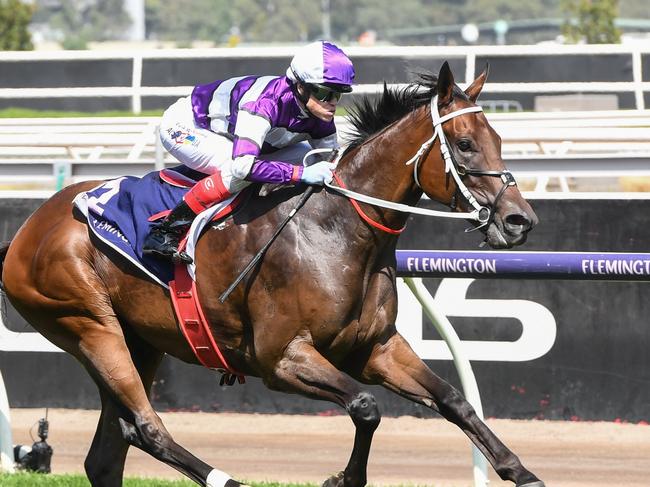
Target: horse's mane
[[369, 116]]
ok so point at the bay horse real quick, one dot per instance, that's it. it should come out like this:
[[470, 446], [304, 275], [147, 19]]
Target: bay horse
[[317, 315]]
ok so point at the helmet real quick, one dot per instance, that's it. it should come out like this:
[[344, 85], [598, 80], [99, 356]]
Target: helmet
[[324, 63]]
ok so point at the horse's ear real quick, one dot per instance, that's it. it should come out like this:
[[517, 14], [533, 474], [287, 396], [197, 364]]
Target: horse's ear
[[475, 88], [445, 85]]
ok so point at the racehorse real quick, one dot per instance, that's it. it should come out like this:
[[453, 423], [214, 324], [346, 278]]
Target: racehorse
[[317, 315]]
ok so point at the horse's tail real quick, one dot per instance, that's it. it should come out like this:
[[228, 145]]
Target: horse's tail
[[4, 246]]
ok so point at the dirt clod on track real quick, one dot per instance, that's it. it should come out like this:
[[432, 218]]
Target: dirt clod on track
[[406, 450]]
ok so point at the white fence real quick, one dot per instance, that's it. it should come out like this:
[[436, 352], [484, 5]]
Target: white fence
[[469, 54], [48, 153]]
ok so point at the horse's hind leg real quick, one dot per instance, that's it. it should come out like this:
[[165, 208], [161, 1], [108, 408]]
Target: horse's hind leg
[[303, 370], [66, 301], [105, 354], [105, 460], [395, 366]]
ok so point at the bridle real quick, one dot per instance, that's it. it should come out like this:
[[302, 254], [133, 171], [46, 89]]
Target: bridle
[[485, 214]]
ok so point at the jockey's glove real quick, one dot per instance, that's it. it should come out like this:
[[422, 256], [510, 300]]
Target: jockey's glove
[[319, 173]]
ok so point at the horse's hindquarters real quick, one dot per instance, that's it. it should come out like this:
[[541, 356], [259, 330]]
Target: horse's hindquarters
[[43, 269], [58, 281]]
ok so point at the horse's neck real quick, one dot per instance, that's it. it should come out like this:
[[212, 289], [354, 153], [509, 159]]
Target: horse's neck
[[378, 167]]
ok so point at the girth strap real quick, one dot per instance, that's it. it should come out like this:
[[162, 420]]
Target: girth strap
[[195, 327]]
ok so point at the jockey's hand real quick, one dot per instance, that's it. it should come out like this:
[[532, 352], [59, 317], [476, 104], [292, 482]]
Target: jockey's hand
[[319, 173]]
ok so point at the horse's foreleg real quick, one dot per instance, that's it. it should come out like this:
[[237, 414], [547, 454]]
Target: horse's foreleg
[[395, 366], [303, 370], [104, 463]]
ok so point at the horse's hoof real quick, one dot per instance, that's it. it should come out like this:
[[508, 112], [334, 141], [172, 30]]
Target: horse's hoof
[[536, 483], [334, 481]]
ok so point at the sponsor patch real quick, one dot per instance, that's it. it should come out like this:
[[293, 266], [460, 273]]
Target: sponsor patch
[[183, 137]]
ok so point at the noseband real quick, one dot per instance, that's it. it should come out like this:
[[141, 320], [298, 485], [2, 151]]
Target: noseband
[[484, 214]]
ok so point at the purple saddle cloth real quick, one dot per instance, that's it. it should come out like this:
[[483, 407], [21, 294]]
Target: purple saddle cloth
[[119, 213]]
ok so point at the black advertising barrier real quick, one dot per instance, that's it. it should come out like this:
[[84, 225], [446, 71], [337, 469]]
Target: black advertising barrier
[[540, 348]]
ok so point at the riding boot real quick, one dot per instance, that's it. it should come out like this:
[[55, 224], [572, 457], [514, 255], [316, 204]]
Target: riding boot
[[164, 238]]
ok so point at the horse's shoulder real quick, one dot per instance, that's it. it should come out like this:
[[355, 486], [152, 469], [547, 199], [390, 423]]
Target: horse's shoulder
[[264, 201]]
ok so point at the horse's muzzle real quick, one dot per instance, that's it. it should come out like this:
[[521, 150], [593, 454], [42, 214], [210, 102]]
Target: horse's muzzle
[[510, 230], [519, 223]]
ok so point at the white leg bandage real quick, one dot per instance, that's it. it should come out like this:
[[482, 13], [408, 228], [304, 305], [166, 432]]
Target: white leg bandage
[[217, 478]]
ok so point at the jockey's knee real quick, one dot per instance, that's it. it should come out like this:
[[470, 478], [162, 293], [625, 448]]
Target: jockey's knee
[[364, 412], [234, 175]]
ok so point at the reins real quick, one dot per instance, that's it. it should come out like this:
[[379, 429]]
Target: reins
[[363, 214]]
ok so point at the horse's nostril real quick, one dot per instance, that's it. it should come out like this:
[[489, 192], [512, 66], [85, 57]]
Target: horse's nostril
[[518, 221]]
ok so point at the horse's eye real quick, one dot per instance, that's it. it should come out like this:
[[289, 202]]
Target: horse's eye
[[464, 145]]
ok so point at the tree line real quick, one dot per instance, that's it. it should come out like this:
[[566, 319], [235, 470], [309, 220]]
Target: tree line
[[228, 22]]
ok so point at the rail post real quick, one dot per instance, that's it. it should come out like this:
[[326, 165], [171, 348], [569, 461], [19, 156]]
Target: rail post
[[463, 366], [6, 446]]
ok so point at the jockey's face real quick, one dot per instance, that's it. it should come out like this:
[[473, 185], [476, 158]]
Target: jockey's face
[[323, 110]]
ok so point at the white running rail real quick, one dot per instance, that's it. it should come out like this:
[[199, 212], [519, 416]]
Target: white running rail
[[135, 90], [541, 145]]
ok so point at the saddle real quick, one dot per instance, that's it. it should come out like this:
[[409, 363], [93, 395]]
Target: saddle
[[120, 213]]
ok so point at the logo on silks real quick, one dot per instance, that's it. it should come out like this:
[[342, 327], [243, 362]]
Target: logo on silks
[[181, 137]]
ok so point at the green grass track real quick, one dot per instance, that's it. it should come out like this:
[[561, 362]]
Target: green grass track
[[52, 480]]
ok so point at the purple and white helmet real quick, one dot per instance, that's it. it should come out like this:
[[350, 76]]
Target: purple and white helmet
[[322, 62]]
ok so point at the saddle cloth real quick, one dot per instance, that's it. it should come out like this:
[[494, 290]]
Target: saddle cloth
[[120, 213]]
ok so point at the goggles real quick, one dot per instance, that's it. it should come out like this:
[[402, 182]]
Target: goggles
[[324, 93]]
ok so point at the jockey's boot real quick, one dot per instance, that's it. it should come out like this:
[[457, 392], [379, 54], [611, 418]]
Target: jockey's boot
[[164, 238]]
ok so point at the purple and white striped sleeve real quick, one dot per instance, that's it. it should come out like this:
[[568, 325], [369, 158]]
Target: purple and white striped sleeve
[[250, 132], [264, 171]]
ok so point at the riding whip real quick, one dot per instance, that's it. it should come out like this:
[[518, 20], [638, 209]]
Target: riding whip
[[303, 199]]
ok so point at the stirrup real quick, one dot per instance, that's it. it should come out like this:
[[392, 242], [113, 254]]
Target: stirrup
[[181, 257], [171, 254]]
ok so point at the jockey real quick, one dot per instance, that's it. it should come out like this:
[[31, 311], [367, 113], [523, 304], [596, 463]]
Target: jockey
[[252, 129]]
